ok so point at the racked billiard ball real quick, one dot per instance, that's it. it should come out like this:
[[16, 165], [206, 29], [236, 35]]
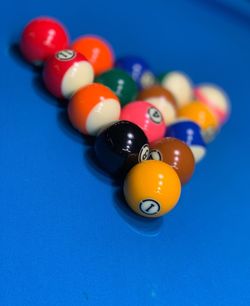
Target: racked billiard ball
[[216, 99], [93, 107], [152, 188], [120, 83], [147, 117], [179, 84], [97, 50], [162, 99], [120, 146], [175, 153], [138, 69], [190, 133], [41, 38], [65, 72], [203, 116]]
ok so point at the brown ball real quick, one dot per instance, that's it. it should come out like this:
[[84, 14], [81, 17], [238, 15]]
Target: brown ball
[[162, 99], [175, 153]]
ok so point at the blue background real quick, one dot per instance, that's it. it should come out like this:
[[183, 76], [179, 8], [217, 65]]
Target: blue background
[[66, 236]]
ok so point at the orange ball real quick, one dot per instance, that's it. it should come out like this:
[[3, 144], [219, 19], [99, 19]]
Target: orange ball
[[152, 188], [203, 116], [98, 52], [93, 107]]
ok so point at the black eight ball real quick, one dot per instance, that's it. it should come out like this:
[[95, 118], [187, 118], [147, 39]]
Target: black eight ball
[[120, 146]]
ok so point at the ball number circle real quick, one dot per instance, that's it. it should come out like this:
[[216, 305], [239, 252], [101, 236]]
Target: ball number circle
[[149, 207], [155, 115], [65, 55], [144, 153], [155, 155]]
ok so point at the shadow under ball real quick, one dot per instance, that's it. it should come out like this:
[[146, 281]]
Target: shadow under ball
[[121, 146], [175, 153]]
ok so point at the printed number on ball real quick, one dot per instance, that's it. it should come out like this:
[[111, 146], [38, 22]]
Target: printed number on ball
[[144, 153], [65, 55], [155, 155], [155, 115], [149, 207]]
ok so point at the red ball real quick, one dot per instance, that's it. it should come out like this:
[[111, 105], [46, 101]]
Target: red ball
[[147, 117], [66, 72], [41, 38]]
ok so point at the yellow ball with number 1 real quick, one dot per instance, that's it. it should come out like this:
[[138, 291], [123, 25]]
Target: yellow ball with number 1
[[152, 188]]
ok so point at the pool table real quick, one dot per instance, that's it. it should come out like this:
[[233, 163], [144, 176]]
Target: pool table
[[67, 238]]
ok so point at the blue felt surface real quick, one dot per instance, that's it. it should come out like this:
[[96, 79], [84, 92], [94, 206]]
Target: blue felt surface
[[236, 6], [66, 237]]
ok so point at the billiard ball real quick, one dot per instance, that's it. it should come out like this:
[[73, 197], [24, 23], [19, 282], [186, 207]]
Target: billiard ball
[[41, 38], [179, 84], [93, 107], [120, 146], [65, 72], [162, 99], [147, 117], [138, 69], [175, 153], [190, 133], [216, 99], [121, 83], [203, 116], [97, 50], [152, 188]]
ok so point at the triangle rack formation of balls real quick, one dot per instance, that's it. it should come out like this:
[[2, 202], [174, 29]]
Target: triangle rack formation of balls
[[148, 129]]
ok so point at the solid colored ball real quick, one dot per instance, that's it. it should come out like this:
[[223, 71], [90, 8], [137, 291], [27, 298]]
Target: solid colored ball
[[41, 38], [203, 116], [175, 153], [162, 99], [180, 85], [190, 133], [65, 72], [121, 83], [97, 50], [138, 69], [216, 99], [92, 108], [120, 146], [152, 188], [147, 117]]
